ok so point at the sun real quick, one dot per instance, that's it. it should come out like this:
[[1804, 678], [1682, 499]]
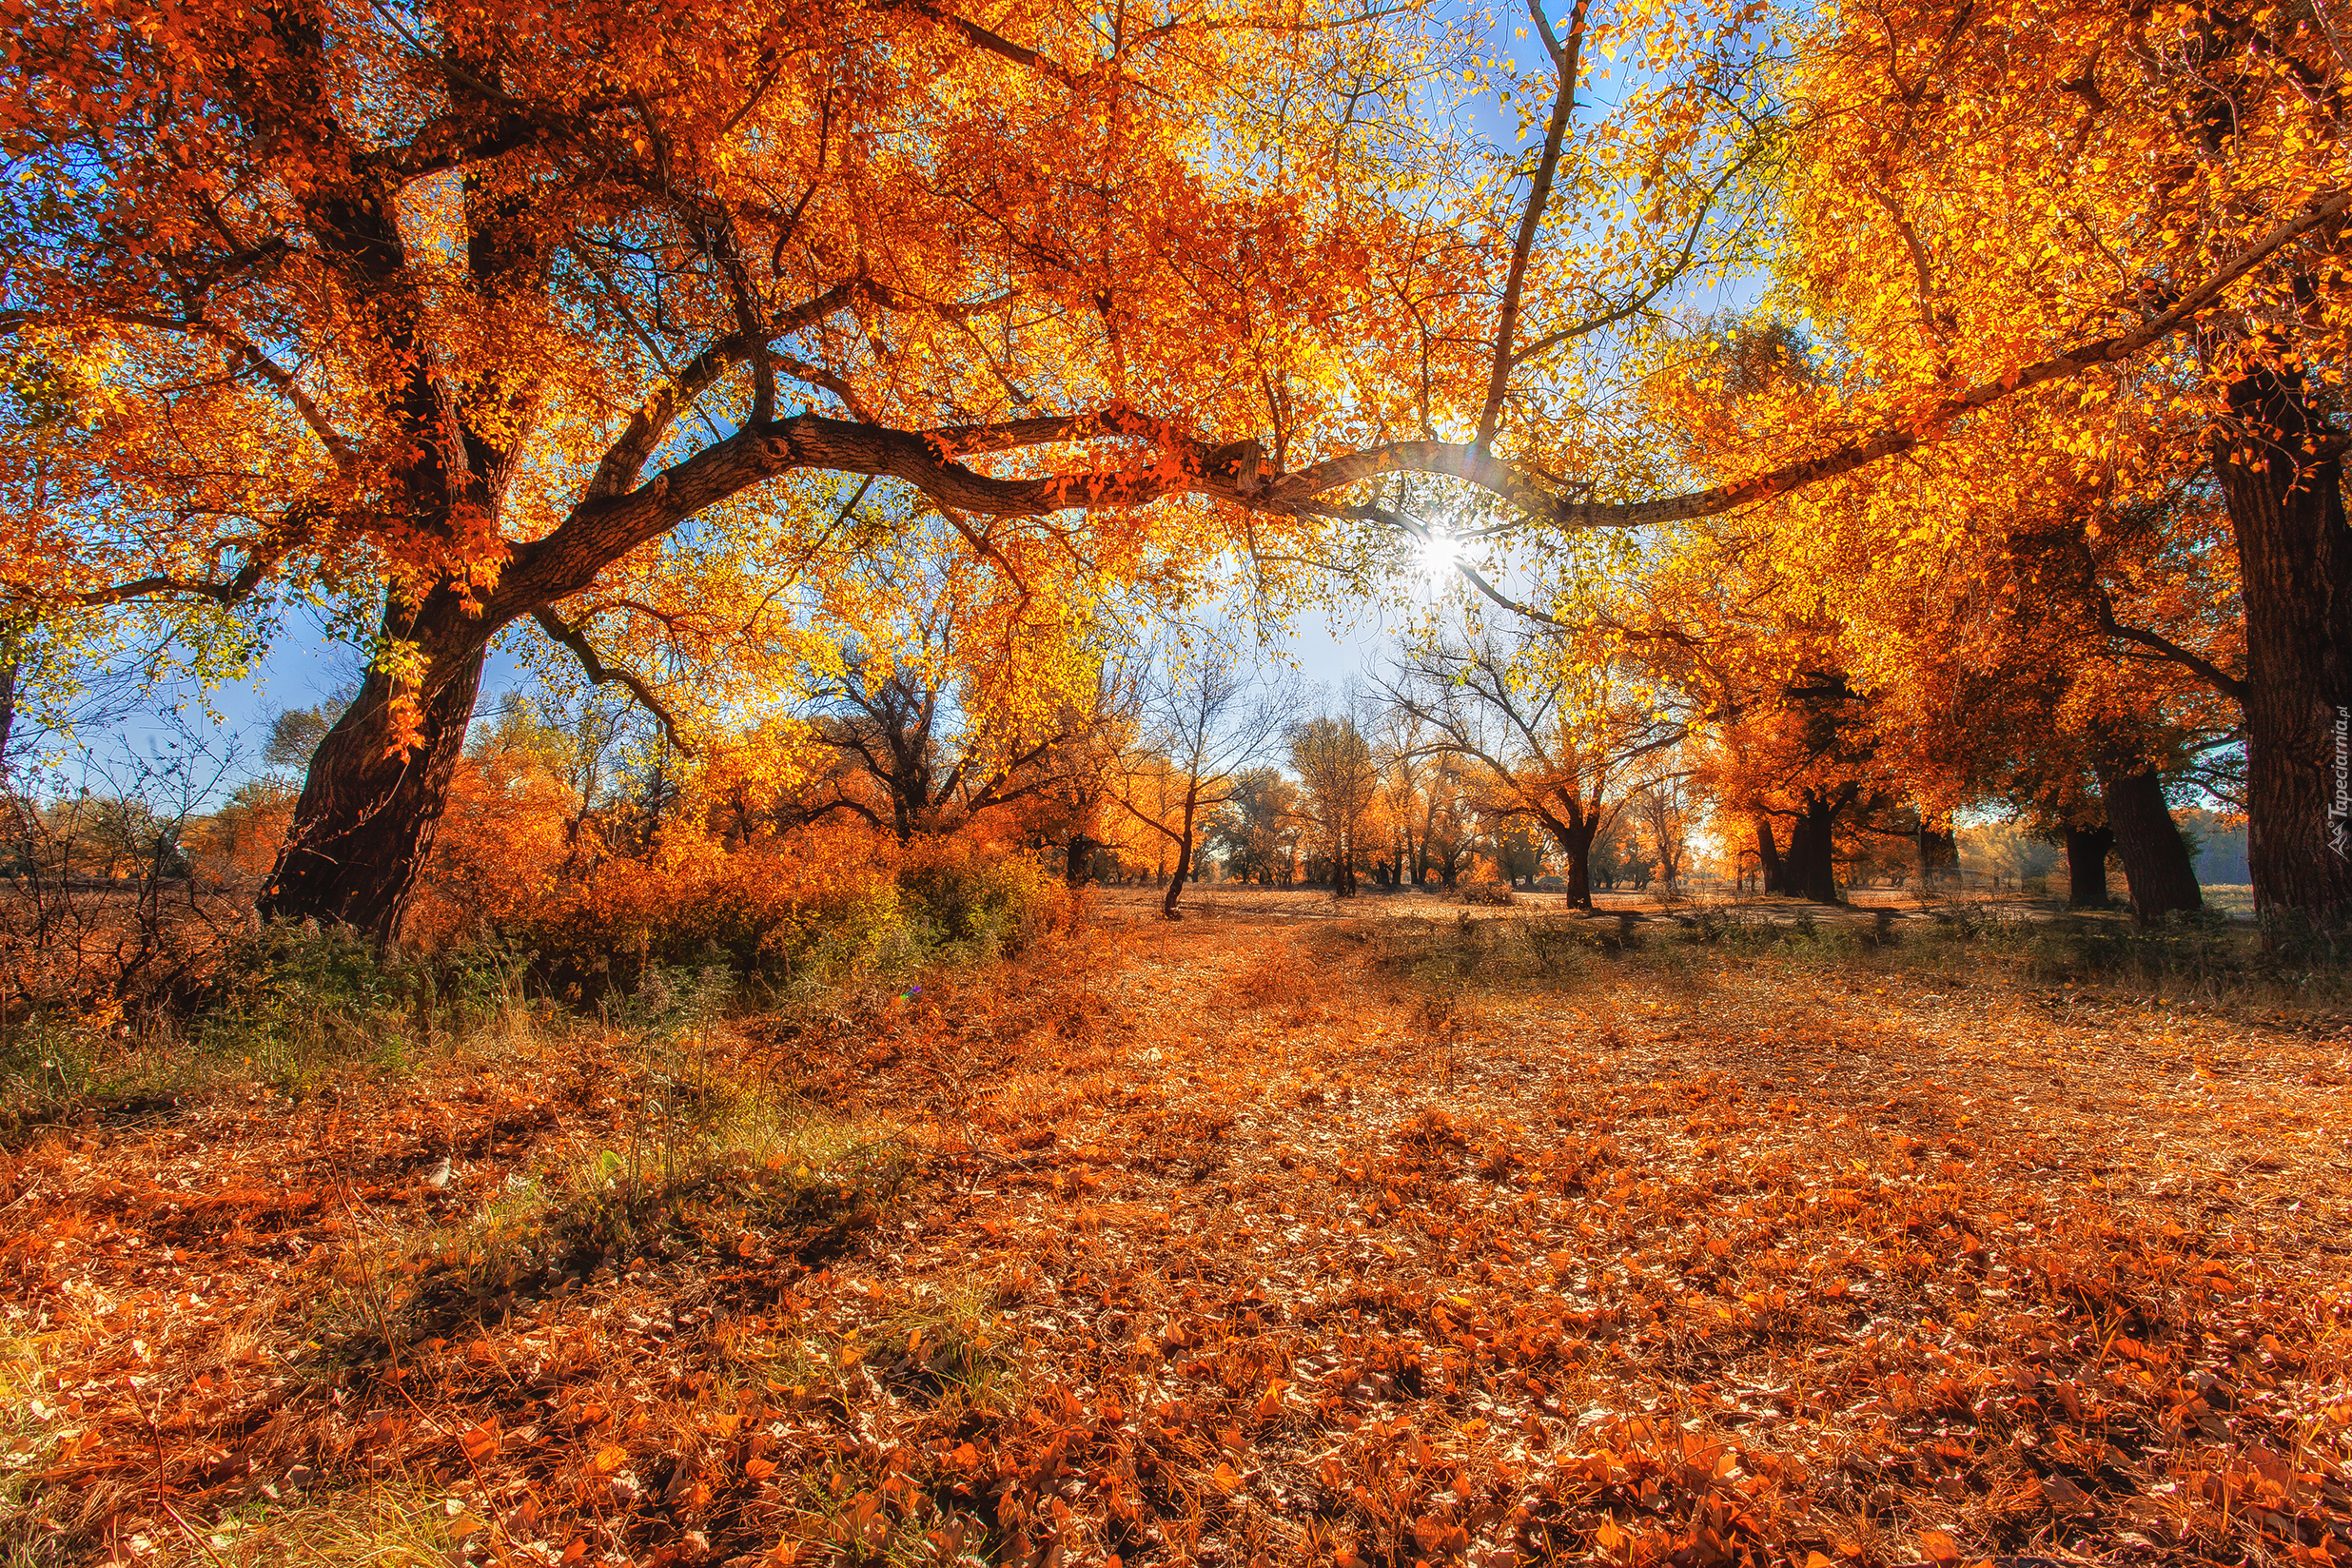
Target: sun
[[1436, 555]]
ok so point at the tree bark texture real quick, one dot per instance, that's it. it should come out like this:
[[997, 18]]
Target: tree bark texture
[[2155, 857], [1775, 877], [1939, 855], [1576, 842], [365, 819], [2280, 468], [1184, 868], [1810, 868]]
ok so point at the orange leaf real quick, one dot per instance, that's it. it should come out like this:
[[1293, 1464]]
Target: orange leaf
[[481, 1442], [1271, 1406], [759, 1469], [1227, 1477], [610, 1458]]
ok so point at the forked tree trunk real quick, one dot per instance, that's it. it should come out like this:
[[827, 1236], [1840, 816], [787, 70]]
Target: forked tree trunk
[[2087, 857], [367, 816], [2282, 472], [2155, 857]]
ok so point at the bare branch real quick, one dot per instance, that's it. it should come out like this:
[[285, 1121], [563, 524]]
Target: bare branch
[[2230, 686], [1539, 195], [602, 673]]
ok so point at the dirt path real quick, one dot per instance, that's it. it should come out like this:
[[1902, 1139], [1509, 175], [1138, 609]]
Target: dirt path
[[1251, 1240]]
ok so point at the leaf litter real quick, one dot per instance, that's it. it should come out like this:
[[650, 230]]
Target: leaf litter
[[1232, 1242]]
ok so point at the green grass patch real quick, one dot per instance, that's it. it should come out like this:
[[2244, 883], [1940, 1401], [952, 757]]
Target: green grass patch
[[740, 1185]]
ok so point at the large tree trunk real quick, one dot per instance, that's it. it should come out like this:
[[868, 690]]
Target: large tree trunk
[[2156, 864], [367, 816], [1077, 856], [2282, 471], [1774, 878], [1577, 844], [2087, 857], [1939, 855], [1809, 870]]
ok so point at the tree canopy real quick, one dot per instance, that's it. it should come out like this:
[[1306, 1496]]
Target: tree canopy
[[654, 327]]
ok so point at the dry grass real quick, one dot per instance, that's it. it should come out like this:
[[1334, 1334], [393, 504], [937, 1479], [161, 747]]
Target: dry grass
[[1234, 1241]]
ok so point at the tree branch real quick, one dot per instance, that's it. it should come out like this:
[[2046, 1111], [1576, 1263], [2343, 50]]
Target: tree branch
[[650, 426], [1297, 492], [607, 525], [980, 37], [1563, 110], [602, 673], [2103, 608]]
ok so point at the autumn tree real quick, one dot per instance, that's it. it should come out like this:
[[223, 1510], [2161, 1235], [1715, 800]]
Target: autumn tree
[[1339, 788], [1203, 717], [1872, 658], [1555, 729], [461, 315], [1255, 832], [1664, 809], [1976, 184], [1093, 741], [1449, 823], [584, 321]]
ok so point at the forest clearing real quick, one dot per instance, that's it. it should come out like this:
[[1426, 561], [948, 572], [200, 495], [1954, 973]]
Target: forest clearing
[[1365, 1240], [1032, 784]]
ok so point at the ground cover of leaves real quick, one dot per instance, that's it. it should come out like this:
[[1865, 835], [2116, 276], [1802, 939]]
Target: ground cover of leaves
[[1238, 1241]]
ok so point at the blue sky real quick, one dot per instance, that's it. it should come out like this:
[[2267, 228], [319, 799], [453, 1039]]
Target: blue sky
[[304, 669]]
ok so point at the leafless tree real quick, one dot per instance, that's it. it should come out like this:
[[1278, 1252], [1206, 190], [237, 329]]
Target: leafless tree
[[1204, 717]]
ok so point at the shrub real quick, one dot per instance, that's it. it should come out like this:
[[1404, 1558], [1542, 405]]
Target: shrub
[[976, 905], [826, 908], [50, 1068], [823, 908], [289, 1003]]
